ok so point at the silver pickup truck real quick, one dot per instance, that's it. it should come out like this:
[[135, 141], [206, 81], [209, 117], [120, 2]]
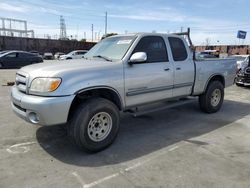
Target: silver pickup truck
[[119, 74]]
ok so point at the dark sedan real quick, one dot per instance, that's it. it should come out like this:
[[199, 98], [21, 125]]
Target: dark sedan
[[18, 59]]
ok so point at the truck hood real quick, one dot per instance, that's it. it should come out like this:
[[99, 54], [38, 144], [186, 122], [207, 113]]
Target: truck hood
[[76, 74], [59, 68]]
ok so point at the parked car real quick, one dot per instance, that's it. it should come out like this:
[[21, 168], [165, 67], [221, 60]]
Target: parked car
[[242, 61], [17, 59], [77, 54], [122, 73], [243, 73], [35, 52], [211, 52], [47, 55], [58, 54], [204, 56]]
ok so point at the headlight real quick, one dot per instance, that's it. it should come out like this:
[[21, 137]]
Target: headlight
[[43, 85]]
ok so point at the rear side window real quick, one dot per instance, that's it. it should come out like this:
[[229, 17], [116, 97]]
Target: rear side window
[[24, 55], [81, 53], [178, 49], [155, 48]]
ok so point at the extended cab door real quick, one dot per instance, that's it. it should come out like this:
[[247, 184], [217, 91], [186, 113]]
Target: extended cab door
[[151, 80], [184, 70]]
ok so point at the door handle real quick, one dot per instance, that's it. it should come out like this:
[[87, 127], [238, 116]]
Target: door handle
[[166, 69], [178, 68]]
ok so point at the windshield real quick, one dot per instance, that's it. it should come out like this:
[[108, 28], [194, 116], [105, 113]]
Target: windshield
[[2, 53], [113, 48], [71, 53]]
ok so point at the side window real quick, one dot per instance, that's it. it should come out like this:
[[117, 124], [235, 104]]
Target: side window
[[178, 49], [11, 55], [155, 48], [82, 53], [22, 55]]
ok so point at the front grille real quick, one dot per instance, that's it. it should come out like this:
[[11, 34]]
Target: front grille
[[19, 107], [247, 70], [243, 78], [21, 82]]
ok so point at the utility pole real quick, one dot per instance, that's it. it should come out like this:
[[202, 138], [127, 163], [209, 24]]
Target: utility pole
[[92, 30], [95, 36], [106, 22]]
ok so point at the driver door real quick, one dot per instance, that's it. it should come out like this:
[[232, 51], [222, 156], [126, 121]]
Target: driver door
[[151, 80]]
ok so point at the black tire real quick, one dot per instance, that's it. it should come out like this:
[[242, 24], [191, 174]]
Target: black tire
[[210, 103], [79, 130], [68, 58]]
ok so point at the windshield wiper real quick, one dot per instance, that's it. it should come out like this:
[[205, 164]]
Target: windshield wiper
[[103, 57]]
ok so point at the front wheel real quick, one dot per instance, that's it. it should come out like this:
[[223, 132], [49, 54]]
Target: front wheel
[[94, 125], [212, 99]]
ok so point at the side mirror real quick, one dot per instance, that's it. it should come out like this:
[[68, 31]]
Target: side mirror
[[138, 57]]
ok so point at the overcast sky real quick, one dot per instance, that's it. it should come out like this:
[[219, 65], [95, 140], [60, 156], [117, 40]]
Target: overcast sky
[[218, 20]]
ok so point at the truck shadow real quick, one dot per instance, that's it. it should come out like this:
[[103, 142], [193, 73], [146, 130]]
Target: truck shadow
[[143, 135]]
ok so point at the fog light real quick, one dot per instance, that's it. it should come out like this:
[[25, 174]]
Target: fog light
[[33, 117]]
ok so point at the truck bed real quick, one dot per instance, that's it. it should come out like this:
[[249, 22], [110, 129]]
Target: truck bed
[[207, 68]]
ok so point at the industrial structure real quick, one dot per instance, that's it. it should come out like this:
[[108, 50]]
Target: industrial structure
[[63, 34], [15, 28]]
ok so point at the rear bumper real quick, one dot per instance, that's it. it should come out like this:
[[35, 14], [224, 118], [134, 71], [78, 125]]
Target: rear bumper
[[41, 110]]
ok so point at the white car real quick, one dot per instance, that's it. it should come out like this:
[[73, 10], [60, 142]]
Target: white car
[[77, 54], [242, 61], [58, 54]]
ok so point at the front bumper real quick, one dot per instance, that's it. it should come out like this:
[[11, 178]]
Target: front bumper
[[243, 79], [47, 110]]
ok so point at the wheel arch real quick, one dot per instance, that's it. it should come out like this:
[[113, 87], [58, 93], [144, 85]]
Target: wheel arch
[[215, 77], [106, 92]]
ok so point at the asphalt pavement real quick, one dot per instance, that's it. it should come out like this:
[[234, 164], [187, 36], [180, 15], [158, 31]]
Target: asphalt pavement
[[177, 147]]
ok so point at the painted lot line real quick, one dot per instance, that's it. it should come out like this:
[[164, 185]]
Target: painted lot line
[[123, 171], [20, 148], [25, 147]]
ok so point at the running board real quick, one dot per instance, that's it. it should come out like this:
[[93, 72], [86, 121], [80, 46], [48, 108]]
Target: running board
[[139, 111]]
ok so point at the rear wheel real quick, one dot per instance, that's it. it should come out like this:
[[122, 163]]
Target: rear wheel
[[94, 125], [212, 99]]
